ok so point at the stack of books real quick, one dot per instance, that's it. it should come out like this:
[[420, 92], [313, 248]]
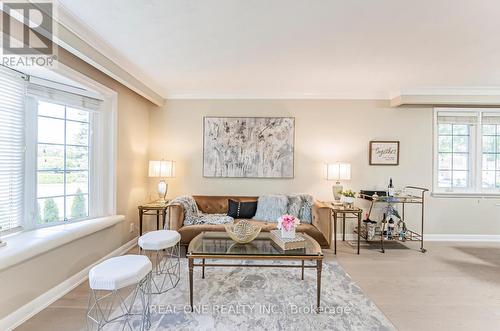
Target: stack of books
[[288, 243]]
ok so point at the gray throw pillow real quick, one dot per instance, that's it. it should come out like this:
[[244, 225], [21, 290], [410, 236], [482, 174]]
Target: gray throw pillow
[[271, 207], [305, 214], [294, 205]]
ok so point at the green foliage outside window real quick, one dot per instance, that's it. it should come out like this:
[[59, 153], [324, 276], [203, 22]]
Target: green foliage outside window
[[78, 208], [50, 211]]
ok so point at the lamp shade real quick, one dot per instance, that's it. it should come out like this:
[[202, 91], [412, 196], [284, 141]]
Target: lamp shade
[[161, 168], [338, 171]]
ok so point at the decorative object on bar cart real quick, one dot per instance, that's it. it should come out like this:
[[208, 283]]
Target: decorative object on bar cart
[[370, 227], [162, 169], [287, 224], [287, 243], [348, 198], [338, 171], [242, 232], [396, 226]]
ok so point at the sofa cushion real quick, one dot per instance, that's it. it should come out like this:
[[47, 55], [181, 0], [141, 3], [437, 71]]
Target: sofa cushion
[[190, 231], [240, 209], [271, 207]]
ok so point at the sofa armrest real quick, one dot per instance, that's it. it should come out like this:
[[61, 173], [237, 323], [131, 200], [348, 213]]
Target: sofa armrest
[[322, 219], [176, 216]]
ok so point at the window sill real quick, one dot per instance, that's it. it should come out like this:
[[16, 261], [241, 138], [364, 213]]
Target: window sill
[[26, 245], [466, 195]]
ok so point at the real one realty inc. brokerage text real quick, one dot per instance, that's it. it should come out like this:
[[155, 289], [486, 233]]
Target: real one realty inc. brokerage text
[[243, 309]]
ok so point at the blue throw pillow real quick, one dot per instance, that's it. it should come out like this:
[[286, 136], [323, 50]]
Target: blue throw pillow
[[271, 207]]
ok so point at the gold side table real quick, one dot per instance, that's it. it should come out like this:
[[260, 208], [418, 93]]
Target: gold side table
[[153, 208], [347, 213]]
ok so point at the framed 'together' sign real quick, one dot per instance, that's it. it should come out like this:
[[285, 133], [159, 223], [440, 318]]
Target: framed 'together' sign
[[384, 152]]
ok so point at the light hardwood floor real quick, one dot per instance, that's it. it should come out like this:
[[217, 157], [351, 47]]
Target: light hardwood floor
[[454, 286]]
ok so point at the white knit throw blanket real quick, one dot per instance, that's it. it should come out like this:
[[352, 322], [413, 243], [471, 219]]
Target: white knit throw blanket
[[192, 214]]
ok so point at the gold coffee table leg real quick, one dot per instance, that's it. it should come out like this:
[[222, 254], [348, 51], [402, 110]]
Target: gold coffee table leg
[[191, 283], [302, 269]]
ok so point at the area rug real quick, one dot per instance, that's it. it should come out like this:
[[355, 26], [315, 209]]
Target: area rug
[[243, 298]]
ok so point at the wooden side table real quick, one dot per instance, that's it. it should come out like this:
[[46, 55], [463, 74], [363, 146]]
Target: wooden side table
[[153, 208], [347, 213]]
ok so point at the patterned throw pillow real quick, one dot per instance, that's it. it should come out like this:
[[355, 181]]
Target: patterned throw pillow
[[294, 205], [305, 214], [271, 207]]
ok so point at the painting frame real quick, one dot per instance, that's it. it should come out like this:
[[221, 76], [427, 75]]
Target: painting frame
[[292, 119], [376, 160]]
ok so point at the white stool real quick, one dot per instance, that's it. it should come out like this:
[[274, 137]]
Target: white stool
[[107, 279], [165, 244]]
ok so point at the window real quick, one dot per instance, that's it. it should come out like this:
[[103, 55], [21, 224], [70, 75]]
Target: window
[[12, 121], [490, 178], [467, 151], [57, 151], [65, 166], [62, 163]]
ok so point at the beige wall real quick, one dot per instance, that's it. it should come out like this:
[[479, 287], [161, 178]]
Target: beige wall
[[24, 282], [326, 130], [133, 140]]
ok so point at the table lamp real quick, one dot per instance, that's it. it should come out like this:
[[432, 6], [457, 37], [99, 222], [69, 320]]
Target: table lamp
[[338, 171], [162, 169]]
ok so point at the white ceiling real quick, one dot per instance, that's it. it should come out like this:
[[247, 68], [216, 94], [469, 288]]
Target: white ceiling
[[299, 48]]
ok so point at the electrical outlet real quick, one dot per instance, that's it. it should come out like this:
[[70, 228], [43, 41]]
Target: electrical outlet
[[132, 227]]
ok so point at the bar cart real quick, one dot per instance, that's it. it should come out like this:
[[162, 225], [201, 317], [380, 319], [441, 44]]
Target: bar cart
[[409, 195]]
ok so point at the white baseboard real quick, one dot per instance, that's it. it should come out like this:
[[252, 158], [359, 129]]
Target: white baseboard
[[33, 307], [442, 237], [462, 237]]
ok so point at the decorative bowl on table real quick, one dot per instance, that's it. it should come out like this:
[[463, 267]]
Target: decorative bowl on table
[[242, 232]]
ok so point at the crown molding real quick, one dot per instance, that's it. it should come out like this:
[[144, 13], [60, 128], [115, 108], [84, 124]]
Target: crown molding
[[445, 90], [79, 39], [280, 96], [460, 96]]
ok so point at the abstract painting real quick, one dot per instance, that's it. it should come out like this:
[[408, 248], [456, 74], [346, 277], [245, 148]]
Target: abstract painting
[[251, 147]]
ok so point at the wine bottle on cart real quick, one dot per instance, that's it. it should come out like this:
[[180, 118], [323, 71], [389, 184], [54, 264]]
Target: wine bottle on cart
[[390, 189]]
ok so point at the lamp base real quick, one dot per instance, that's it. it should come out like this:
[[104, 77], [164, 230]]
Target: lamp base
[[337, 189], [162, 191]]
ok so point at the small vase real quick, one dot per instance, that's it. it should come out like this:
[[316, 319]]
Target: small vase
[[290, 234], [348, 202]]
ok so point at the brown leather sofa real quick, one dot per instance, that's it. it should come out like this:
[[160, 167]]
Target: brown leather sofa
[[319, 229]]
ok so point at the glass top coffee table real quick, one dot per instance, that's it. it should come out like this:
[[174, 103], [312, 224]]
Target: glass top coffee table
[[218, 245]]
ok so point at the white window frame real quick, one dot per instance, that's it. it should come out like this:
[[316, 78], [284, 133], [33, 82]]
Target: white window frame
[[475, 161], [32, 162], [102, 154]]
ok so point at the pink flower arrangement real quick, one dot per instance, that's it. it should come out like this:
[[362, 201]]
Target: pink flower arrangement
[[288, 222]]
